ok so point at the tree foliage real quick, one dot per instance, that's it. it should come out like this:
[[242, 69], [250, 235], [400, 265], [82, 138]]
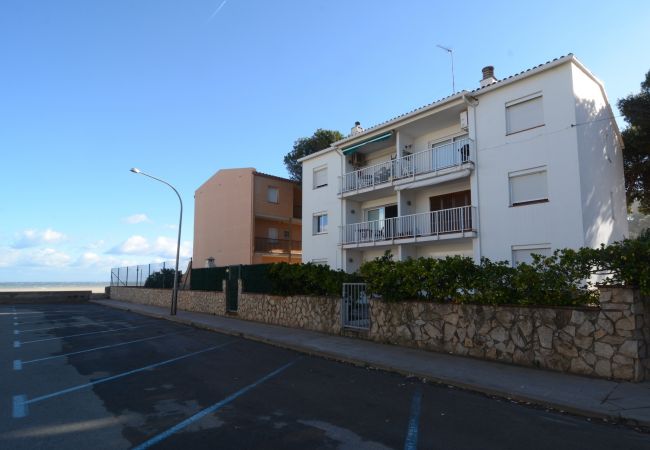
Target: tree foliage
[[164, 279], [320, 140], [564, 278], [636, 157]]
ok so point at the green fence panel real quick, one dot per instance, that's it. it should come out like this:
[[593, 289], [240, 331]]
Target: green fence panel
[[209, 279], [255, 278]]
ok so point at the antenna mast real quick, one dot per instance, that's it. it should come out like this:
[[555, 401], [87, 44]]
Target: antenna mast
[[451, 53]]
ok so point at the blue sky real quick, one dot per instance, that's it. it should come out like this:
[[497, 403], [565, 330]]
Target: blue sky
[[89, 89]]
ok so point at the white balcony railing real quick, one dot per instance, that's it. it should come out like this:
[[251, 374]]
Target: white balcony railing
[[432, 223], [432, 160]]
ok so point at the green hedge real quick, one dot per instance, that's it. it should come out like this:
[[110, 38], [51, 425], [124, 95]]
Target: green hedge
[[255, 278], [307, 279], [561, 279], [208, 279]]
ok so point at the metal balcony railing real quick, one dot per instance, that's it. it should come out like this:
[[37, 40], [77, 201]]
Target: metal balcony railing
[[432, 223], [427, 161], [268, 245]]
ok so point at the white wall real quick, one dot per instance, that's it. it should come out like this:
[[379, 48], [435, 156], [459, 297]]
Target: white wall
[[558, 222], [420, 143], [461, 247], [601, 164], [321, 246]]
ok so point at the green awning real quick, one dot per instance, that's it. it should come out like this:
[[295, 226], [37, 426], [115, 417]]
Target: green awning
[[356, 147]]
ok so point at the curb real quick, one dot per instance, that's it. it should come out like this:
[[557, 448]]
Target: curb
[[335, 356]]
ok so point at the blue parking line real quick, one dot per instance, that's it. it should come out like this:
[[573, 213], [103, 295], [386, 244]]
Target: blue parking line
[[83, 334], [71, 318], [103, 347], [411, 442], [69, 326], [201, 414], [21, 404]]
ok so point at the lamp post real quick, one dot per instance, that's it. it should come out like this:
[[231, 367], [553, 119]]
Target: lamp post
[[178, 244]]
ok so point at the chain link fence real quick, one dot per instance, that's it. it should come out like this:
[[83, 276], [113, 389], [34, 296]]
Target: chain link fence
[[155, 275]]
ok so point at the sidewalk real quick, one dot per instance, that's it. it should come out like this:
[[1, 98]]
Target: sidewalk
[[591, 397]]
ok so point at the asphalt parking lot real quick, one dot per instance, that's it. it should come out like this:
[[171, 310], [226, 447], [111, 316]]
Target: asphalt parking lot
[[87, 376]]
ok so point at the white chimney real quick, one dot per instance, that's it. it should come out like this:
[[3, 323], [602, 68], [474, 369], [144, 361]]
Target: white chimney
[[357, 128], [488, 76]]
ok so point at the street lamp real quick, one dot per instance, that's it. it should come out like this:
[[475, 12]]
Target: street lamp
[[178, 245]]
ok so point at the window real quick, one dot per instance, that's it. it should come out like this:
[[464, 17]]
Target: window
[[524, 114], [320, 177], [384, 212], [320, 223], [528, 186], [273, 234], [272, 195], [523, 253]]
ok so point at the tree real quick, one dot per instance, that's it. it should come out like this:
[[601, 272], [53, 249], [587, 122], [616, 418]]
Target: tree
[[164, 279], [320, 140], [636, 156]]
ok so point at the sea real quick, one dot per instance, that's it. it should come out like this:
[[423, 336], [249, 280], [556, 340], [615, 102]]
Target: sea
[[94, 286]]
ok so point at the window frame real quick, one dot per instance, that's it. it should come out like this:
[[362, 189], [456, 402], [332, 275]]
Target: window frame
[[269, 189], [319, 169], [532, 248], [523, 173], [316, 227], [534, 96]]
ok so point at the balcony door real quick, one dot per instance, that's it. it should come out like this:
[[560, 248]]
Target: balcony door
[[448, 217], [379, 225]]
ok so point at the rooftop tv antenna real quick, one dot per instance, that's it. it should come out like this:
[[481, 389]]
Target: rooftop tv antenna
[[451, 53]]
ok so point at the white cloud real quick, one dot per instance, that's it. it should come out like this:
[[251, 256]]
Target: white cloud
[[33, 257], [162, 247], [136, 218], [135, 245], [32, 238], [95, 245]]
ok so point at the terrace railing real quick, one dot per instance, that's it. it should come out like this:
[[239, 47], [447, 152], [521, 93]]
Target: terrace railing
[[432, 223], [432, 160]]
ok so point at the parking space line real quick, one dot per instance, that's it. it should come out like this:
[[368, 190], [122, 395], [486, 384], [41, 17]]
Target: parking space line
[[23, 403], [411, 442], [43, 312], [54, 320], [103, 347], [82, 334], [201, 414], [68, 326], [19, 406]]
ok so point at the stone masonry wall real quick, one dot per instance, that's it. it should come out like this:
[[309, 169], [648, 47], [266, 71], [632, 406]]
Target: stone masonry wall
[[646, 335], [610, 341], [197, 301], [606, 342], [310, 313]]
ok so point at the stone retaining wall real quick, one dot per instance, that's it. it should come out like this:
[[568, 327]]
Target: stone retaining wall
[[20, 297], [310, 313], [209, 302], [606, 342]]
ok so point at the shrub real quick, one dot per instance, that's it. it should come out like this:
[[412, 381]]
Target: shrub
[[162, 279], [564, 278], [307, 279]]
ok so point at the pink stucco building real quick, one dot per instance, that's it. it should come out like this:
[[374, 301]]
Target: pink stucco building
[[242, 216]]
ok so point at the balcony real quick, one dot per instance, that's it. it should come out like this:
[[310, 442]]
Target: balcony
[[279, 246], [430, 161], [433, 225]]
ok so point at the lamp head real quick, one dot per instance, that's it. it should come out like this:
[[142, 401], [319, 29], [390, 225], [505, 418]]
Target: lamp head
[[135, 170]]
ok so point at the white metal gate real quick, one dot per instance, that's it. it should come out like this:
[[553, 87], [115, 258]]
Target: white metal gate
[[355, 307]]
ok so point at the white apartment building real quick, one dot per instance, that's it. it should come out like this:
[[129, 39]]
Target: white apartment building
[[521, 165]]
